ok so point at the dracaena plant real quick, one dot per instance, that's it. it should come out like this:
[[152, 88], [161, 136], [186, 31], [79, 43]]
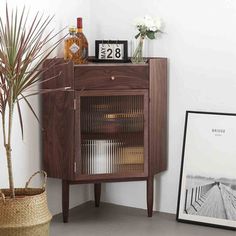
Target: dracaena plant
[[24, 46]]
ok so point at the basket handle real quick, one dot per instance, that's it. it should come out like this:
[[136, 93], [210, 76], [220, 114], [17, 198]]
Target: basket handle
[[2, 196], [38, 172]]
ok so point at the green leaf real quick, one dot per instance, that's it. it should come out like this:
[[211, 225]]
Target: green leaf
[[24, 47], [151, 34], [136, 36], [31, 108], [20, 118]]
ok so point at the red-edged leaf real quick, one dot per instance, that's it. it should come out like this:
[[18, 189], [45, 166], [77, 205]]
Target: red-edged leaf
[[20, 118], [30, 107]]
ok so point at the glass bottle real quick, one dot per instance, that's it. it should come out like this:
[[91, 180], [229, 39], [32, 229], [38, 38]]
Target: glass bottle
[[83, 43], [72, 47]]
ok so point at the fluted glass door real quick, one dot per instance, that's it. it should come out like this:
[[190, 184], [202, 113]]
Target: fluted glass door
[[112, 134]]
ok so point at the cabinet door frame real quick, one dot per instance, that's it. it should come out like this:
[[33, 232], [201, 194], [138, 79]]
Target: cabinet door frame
[[77, 156]]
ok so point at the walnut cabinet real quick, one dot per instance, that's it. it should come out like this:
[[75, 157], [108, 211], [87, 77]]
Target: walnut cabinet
[[110, 126]]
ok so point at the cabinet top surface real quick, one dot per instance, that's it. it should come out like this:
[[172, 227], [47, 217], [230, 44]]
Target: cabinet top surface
[[110, 64], [92, 63]]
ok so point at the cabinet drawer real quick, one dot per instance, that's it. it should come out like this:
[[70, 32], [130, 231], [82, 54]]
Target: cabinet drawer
[[111, 77]]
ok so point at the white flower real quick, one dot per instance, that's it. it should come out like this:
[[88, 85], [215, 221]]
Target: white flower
[[153, 28], [152, 24], [139, 21], [148, 26], [158, 23], [148, 21]]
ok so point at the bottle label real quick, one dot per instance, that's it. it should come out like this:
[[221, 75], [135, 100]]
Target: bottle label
[[74, 48]]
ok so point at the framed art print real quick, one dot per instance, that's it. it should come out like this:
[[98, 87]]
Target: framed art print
[[207, 191]]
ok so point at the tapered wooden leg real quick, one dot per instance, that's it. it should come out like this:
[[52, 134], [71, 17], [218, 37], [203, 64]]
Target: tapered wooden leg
[[150, 196], [97, 194], [65, 200]]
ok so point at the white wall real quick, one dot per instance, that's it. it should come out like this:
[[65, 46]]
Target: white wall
[[200, 43], [27, 154]]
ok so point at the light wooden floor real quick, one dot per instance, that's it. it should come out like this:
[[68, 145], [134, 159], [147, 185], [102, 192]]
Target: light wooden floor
[[113, 220]]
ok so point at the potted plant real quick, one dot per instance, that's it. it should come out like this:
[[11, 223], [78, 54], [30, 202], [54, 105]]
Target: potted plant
[[147, 28], [24, 46]]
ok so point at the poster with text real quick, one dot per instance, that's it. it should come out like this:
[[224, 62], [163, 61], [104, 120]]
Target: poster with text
[[207, 192]]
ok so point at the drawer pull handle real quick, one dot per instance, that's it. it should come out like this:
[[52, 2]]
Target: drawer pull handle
[[113, 78]]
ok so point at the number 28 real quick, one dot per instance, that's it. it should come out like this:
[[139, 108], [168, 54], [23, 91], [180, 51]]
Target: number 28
[[117, 53]]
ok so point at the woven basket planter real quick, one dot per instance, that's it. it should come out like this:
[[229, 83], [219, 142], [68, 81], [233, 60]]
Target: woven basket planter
[[27, 214]]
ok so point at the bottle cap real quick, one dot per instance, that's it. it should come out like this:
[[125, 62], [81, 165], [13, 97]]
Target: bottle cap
[[79, 23], [72, 29]]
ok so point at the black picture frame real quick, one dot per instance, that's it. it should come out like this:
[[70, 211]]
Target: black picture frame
[[124, 43], [207, 192]]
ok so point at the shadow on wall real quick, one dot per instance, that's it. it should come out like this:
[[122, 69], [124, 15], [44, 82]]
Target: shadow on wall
[[157, 193], [78, 195]]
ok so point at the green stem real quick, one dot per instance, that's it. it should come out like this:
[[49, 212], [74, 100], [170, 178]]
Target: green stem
[[138, 53]]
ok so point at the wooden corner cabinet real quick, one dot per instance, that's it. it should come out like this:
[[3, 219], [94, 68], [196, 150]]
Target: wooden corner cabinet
[[110, 126]]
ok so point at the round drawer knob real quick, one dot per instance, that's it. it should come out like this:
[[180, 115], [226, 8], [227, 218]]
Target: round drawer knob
[[113, 78]]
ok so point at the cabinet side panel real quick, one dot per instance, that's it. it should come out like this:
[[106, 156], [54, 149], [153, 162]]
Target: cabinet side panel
[[158, 115], [58, 74], [58, 125]]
